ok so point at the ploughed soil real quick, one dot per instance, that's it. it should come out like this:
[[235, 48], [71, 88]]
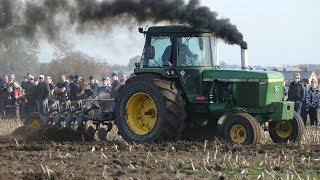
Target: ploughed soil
[[62, 153]]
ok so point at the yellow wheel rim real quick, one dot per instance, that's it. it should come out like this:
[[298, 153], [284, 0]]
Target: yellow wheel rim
[[283, 129], [34, 123], [141, 113], [238, 133]]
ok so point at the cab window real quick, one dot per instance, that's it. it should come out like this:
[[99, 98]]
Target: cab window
[[162, 51], [194, 51]]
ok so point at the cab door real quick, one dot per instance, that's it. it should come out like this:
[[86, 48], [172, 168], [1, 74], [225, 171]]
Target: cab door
[[193, 55]]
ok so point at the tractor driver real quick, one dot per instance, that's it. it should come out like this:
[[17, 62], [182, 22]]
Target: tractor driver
[[166, 56], [185, 56], [184, 53]]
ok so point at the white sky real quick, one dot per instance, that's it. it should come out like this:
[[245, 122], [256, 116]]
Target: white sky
[[285, 32]]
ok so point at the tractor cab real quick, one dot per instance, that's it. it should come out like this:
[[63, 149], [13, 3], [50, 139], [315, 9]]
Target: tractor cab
[[179, 52]]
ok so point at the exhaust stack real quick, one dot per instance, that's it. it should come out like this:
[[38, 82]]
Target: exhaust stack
[[244, 58]]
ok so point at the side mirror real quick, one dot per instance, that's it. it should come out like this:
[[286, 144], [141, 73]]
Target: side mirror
[[140, 30], [137, 64], [149, 52]]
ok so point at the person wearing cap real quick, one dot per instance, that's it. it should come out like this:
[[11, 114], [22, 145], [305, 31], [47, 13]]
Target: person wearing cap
[[42, 91], [296, 93], [104, 88]]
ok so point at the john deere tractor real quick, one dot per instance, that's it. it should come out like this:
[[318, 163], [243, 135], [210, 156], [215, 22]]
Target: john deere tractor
[[178, 84]]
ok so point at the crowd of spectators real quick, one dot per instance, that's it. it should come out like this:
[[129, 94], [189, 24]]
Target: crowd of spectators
[[306, 98], [35, 94]]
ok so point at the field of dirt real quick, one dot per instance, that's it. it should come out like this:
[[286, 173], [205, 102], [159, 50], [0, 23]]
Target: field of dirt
[[55, 153]]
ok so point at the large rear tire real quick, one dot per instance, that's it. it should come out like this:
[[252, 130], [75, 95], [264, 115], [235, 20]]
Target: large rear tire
[[287, 130], [242, 129], [149, 108]]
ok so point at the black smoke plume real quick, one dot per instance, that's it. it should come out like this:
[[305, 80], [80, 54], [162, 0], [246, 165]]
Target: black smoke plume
[[5, 16], [45, 16]]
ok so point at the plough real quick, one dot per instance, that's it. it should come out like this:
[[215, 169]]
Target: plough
[[76, 115]]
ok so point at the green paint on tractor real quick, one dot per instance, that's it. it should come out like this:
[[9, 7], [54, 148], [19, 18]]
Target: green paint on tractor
[[179, 73]]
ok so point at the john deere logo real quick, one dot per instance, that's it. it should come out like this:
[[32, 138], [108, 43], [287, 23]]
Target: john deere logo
[[276, 89]]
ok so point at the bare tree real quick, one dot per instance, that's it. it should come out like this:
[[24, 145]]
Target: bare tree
[[71, 64], [17, 54]]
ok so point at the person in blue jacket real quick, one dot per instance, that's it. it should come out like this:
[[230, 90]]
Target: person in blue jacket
[[313, 100]]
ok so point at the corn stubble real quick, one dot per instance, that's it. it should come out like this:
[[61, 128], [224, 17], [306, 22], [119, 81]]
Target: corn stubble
[[214, 158]]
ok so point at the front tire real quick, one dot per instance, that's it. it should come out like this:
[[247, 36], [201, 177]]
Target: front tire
[[149, 109], [242, 129], [287, 130]]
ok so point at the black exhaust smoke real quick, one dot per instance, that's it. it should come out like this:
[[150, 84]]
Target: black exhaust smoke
[[44, 15], [5, 16]]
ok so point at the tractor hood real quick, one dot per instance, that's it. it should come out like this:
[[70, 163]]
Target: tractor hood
[[228, 75]]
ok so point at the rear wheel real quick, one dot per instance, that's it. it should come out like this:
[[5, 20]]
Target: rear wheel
[[33, 121], [149, 108], [287, 130], [242, 129]]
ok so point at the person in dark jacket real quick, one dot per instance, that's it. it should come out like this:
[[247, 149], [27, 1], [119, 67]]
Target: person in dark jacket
[[42, 91], [114, 84], [304, 107], [296, 93], [26, 81], [2, 92], [313, 101], [30, 97], [74, 86], [93, 85], [10, 102], [51, 87], [2, 83], [61, 89]]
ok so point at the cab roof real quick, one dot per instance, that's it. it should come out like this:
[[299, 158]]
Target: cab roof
[[175, 29]]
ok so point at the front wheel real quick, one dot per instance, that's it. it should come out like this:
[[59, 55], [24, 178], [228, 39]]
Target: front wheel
[[287, 130], [242, 129]]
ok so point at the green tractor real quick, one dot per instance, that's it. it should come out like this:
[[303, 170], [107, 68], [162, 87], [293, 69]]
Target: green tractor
[[178, 85]]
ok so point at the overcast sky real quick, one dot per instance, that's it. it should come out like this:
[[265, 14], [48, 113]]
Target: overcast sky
[[285, 32]]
